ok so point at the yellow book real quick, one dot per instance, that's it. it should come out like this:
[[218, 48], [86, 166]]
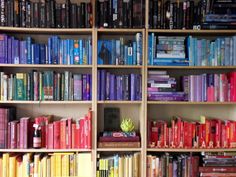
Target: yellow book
[[12, 166], [72, 164], [5, 162], [126, 167], [65, 165], [53, 165], [58, 164], [84, 164], [26, 164], [0, 166], [19, 169], [36, 164], [44, 166], [130, 166], [136, 166], [48, 166], [121, 167], [97, 173]]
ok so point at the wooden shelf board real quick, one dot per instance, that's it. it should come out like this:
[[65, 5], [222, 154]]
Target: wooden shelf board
[[45, 102], [118, 149], [43, 66], [46, 30], [191, 67], [119, 102], [190, 150], [120, 66], [45, 150], [120, 30], [191, 103], [216, 32]]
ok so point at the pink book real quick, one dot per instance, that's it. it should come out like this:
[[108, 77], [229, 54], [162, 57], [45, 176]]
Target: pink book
[[210, 94], [13, 134], [69, 133], [50, 136]]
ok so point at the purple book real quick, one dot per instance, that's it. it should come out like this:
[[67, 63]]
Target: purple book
[[198, 89], [88, 86], [99, 85], [204, 87], [5, 48], [84, 80], [103, 84], [118, 87], [133, 87], [2, 53], [191, 90], [77, 87], [121, 91], [165, 98], [9, 50], [107, 86], [16, 48], [112, 87], [139, 87], [23, 53]]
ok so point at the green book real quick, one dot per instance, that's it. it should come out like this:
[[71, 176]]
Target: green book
[[20, 86]]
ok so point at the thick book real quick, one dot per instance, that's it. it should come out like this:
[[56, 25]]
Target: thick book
[[119, 139], [118, 144]]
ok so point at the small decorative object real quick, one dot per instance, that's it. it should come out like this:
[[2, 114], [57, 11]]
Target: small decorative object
[[127, 125], [37, 136]]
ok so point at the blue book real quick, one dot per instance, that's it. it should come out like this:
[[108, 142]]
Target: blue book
[[132, 87], [130, 54], [90, 56], [126, 55], [55, 50], [2, 54], [42, 54], [71, 52], [5, 48], [134, 53], [227, 51], [103, 84], [76, 52], [170, 64], [113, 55], [149, 49], [36, 53], [99, 85], [104, 52], [23, 53], [16, 45], [64, 52], [67, 51], [234, 50], [81, 52], [190, 50], [84, 53], [29, 48], [118, 54], [153, 44], [118, 88], [112, 87], [9, 50], [60, 55]]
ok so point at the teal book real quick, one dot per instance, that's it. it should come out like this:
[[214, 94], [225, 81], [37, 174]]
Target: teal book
[[20, 86]]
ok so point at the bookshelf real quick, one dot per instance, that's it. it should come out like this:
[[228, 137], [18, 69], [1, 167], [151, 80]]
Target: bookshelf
[[139, 109]]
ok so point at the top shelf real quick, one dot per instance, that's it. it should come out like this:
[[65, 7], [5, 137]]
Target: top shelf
[[179, 31], [46, 30]]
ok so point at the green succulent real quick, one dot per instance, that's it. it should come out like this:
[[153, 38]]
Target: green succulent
[[127, 125]]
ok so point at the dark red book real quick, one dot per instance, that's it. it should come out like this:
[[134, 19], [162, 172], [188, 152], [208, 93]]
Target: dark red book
[[119, 139], [18, 135], [74, 137], [217, 169], [213, 174], [13, 134], [9, 135], [50, 136], [56, 134], [24, 127]]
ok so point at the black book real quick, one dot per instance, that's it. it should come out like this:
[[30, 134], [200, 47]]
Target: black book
[[120, 14], [42, 14], [105, 12], [79, 25], [10, 13], [73, 16], [115, 14], [28, 14], [191, 14], [52, 14], [130, 14], [181, 15], [155, 14], [125, 13], [2, 13], [159, 13], [97, 13], [163, 15], [36, 15], [32, 14], [184, 15], [47, 13], [87, 14], [110, 13], [68, 6], [16, 13], [151, 13], [188, 15], [111, 119], [58, 15], [63, 15], [178, 15], [137, 14], [167, 16], [175, 15], [82, 15], [171, 16], [22, 13]]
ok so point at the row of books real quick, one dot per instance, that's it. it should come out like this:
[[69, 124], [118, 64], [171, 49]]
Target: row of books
[[46, 85], [120, 14], [119, 165], [206, 133], [218, 164], [175, 14], [119, 87], [56, 51], [121, 51], [166, 50], [170, 51], [57, 134], [40, 164], [172, 165], [46, 14]]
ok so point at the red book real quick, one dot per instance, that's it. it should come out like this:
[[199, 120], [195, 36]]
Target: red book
[[218, 133], [56, 134], [210, 94], [82, 133], [13, 137], [213, 124], [120, 139], [224, 142], [213, 174], [73, 137], [69, 133], [9, 135], [232, 134], [153, 133], [77, 134], [232, 80], [42, 121], [50, 136], [63, 134], [207, 132], [89, 129], [217, 169], [18, 135], [228, 133], [30, 134], [24, 127]]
